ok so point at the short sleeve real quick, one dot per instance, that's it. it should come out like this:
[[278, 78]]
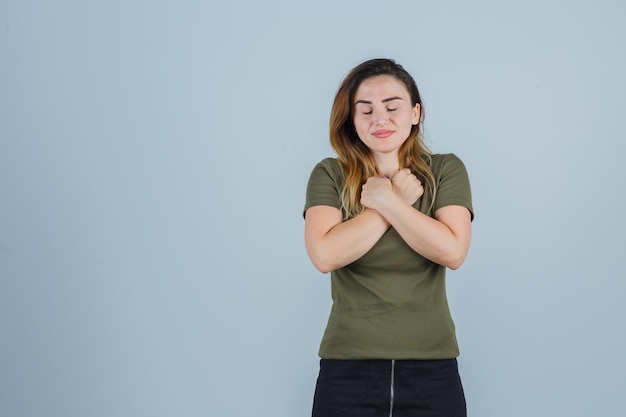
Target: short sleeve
[[453, 186], [324, 187]]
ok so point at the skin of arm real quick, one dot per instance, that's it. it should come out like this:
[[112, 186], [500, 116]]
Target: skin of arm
[[332, 244], [444, 239]]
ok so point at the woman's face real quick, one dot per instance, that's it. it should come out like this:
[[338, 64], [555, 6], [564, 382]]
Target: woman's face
[[383, 114]]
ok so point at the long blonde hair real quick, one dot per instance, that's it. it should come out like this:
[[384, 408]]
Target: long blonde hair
[[355, 160]]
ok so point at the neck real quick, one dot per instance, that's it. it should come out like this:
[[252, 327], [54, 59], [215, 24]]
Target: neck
[[387, 165]]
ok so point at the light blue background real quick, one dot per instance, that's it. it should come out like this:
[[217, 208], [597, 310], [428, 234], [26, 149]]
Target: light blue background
[[153, 163]]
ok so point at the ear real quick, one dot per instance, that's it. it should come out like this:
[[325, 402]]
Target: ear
[[416, 114]]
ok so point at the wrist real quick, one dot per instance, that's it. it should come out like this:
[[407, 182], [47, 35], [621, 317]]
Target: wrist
[[388, 204], [376, 214]]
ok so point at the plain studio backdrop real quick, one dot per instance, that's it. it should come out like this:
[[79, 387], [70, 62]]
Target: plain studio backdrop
[[153, 164]]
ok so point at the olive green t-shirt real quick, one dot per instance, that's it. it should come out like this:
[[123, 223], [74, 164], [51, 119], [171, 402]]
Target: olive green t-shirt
[[391, 303]]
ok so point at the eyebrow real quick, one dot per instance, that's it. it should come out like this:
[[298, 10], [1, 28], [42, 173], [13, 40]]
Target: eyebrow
[[383, 101]]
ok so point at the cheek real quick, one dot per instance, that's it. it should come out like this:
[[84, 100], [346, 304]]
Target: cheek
[[360, 125], [361, 130], [408, 121]]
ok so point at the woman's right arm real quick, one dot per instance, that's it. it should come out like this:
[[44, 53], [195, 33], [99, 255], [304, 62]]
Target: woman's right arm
[[332, 244]]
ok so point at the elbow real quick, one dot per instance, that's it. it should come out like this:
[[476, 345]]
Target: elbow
[[320, 262], [454, 260], [454, 265], [323, 268], [454, 257]]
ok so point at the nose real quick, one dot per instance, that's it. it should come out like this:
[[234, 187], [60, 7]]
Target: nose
[[381, 116]]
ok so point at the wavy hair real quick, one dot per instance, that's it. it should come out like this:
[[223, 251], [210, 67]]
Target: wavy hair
[[355, 160]]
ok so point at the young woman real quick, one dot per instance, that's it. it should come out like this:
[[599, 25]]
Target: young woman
[[386, 218]]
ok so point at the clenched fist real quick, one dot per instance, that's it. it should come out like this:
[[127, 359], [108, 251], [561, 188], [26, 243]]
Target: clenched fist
[[375, 191], [407, 186]]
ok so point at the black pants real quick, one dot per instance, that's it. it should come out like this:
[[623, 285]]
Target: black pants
[[384, 388]]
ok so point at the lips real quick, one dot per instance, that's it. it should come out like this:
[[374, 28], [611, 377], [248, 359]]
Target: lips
[[383, 133]]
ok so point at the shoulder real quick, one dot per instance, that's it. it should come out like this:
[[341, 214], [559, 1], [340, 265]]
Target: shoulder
[[443, 165], [329, 163], [330, 167], [453, 185], [445, 160], [325, 184]]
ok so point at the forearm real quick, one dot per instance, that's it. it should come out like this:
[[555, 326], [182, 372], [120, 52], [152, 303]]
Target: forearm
[[427, 236], [346, 241]]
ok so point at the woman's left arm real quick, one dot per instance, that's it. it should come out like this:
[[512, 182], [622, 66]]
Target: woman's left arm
[[444, 239]]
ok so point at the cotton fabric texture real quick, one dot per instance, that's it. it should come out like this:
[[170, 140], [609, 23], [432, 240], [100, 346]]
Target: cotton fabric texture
[[391, 303]]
